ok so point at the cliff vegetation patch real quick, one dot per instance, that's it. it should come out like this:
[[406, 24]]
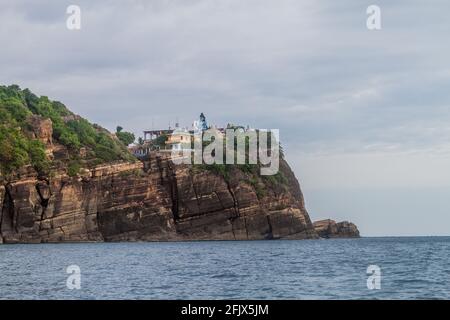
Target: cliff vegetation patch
[[29, 124]]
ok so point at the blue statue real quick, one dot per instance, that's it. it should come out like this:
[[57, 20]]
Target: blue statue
[[203, 125]]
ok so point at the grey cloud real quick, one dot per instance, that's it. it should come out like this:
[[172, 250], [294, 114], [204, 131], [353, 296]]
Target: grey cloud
[[310, 68]]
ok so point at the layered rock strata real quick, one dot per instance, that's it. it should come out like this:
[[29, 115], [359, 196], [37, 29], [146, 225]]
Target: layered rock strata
[[125, 202]]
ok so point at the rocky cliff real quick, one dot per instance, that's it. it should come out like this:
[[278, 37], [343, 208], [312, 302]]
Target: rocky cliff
[[127, 202], [63, 194]]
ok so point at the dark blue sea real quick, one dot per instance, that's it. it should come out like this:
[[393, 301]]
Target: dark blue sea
[[411, 268]]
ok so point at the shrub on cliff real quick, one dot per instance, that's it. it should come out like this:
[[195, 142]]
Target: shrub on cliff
[[38, 158], [127, 138], [74, 168], [276, 183], [13, 149], [16, 151], [19, 148]]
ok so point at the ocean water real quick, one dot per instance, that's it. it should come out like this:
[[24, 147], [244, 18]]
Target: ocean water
[[411, 268]]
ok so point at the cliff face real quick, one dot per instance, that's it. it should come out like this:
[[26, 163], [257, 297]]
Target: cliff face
[[124, 202], [155, 200]]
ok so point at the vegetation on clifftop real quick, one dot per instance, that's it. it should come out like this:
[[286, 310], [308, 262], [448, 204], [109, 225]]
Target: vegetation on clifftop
[[18, 146], [127, 138], [250, 172]]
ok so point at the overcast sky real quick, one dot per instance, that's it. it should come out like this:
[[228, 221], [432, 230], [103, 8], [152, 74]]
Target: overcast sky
[[364, 116]]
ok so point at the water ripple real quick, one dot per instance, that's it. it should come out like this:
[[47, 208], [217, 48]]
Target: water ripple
[[412, 268]]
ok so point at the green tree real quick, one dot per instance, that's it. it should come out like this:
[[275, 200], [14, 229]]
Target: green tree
[[36, 151], [13, 149], [126, 137], [18, 148]]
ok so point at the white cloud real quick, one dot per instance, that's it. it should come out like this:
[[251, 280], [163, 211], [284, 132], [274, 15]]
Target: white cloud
[[372, 106]]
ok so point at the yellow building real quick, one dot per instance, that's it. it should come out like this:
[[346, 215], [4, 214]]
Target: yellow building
[[180, 139]]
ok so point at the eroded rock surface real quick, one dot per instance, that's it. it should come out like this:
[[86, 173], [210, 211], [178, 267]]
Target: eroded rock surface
[[124, 202]]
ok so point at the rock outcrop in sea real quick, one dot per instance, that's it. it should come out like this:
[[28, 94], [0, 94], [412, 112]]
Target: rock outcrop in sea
[[331, 229]]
